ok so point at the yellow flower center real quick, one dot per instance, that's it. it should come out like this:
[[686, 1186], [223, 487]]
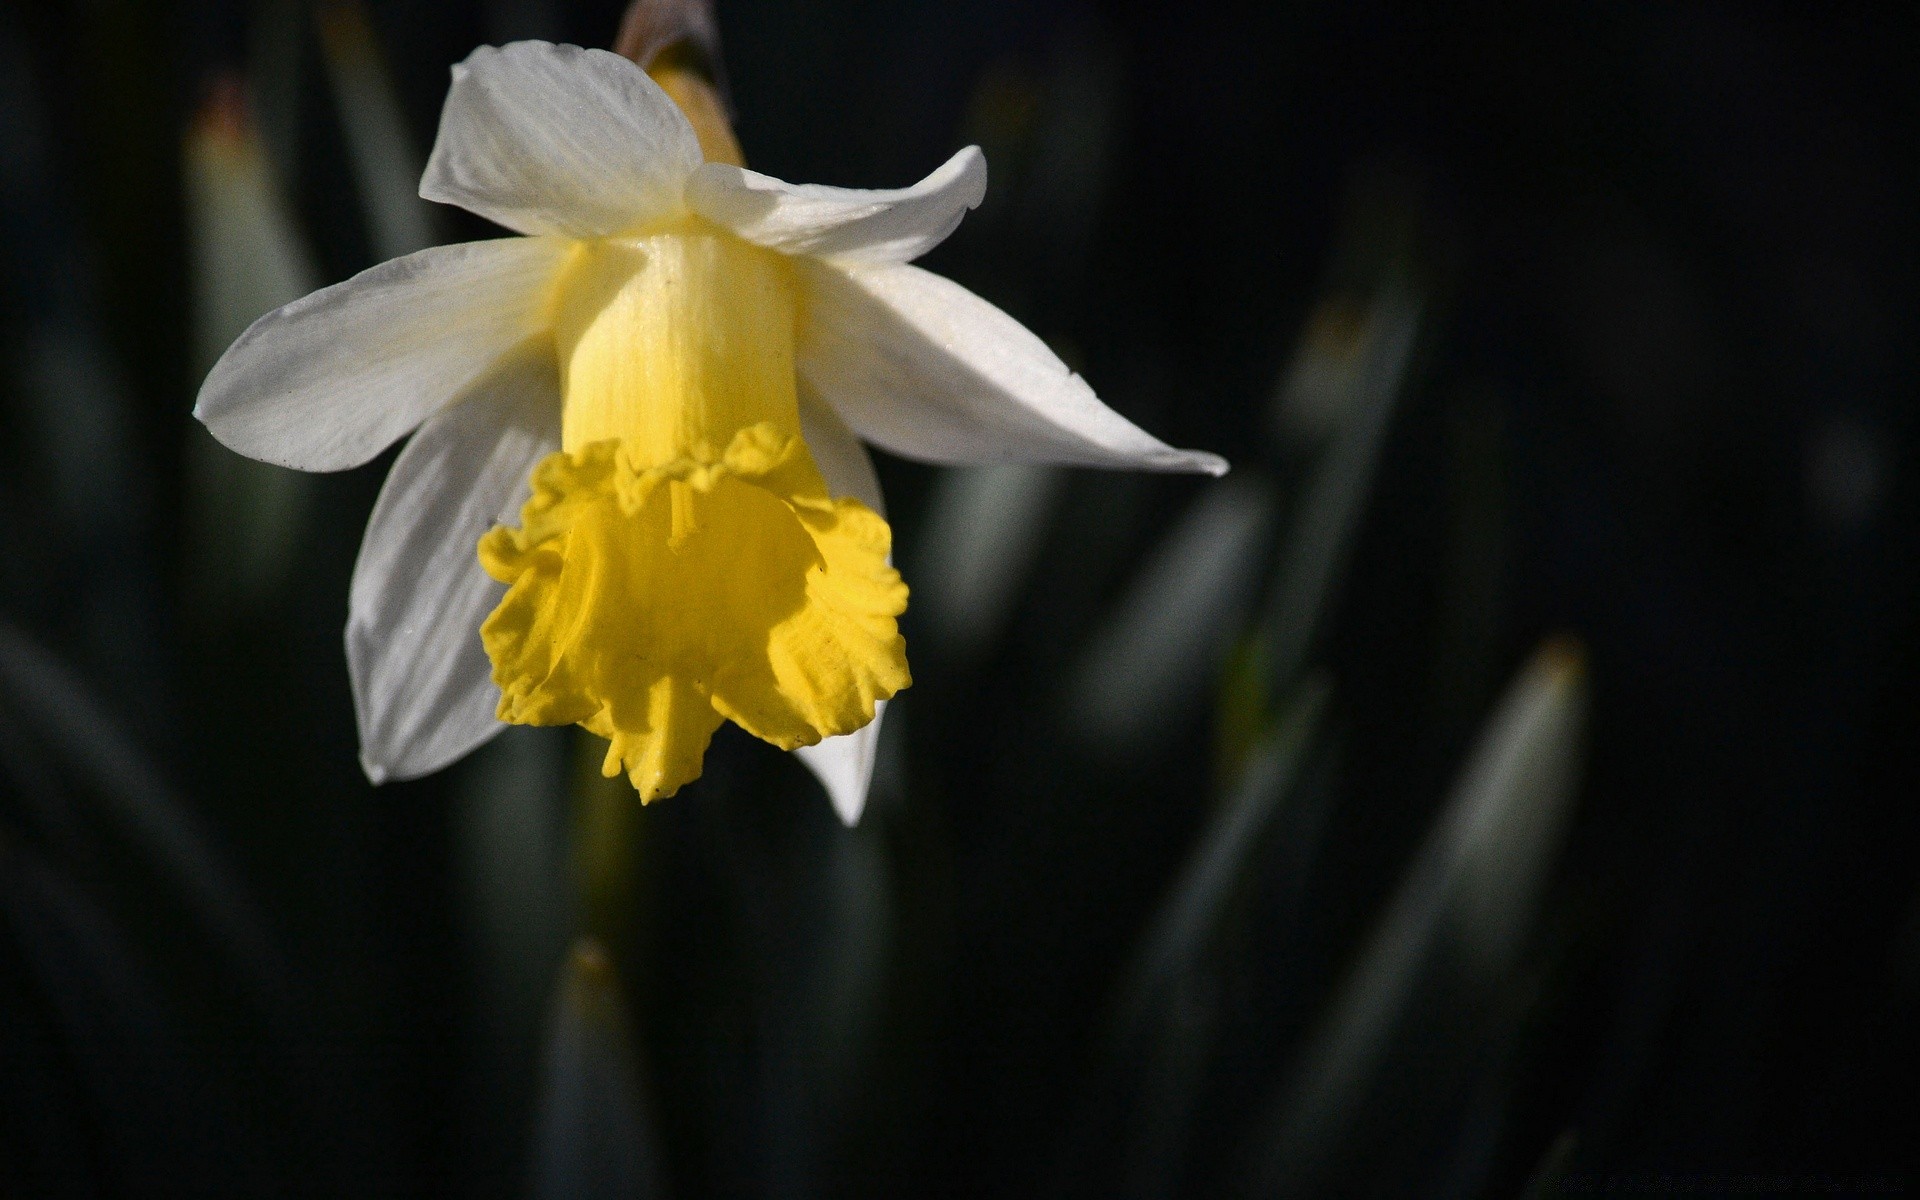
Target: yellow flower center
[[681, 561]]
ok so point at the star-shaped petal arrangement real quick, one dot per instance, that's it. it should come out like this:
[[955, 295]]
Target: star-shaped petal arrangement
[[647, 414]]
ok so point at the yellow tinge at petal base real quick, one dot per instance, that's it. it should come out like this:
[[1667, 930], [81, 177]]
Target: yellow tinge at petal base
[[674, 341], [650, 602]]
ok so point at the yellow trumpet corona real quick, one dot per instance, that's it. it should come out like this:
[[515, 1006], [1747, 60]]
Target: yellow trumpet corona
[[681, 561]]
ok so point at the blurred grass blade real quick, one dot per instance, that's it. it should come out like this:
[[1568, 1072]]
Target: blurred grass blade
[[91, 744], [511, 828], [510, 834], [81, 425], [1449, 940], [1327, 375], [386, 164], [1322, 528], [276, 59], [825, 1006], [73, 422], [150, 1111], [978, 546], [811, 904], [248, 258], [1169, 1012], [606, 842], [81, 435], [684, 28], [1513, 803], [1154, 655], [1187, 923], [248, 254], [1548, 1175], [592, 1132]]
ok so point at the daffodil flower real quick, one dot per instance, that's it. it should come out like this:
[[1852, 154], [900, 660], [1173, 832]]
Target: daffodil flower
[[644, 412]]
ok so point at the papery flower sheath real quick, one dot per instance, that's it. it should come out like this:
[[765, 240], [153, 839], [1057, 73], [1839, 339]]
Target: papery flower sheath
[[646, 413]]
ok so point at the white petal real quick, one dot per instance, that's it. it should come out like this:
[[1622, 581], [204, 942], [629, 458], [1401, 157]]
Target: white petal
[[422, 685], [1154, 657], [556, 139], [841, 223], [842, 460], [333, 379], [844, 766], [923, 367]]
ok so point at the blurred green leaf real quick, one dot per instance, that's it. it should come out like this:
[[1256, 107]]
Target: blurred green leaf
[[511, 835], [977, 547], [1359, 402], [386, 164], [48, 700], [1188, 921], [1415, 1009], [248, 257], [1165, 1031], [593, 1135], [148, 1108], [1547, 1174], [1153, 657]]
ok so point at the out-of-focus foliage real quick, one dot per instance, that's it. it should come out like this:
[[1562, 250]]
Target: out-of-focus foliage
[[1500, 784]]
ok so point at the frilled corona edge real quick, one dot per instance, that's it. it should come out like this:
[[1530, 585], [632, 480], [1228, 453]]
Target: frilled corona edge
[[649, 604]]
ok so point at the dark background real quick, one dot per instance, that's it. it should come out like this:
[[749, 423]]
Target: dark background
[[1662, 404]]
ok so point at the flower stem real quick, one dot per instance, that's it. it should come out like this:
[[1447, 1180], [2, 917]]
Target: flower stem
[[678, 43]]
